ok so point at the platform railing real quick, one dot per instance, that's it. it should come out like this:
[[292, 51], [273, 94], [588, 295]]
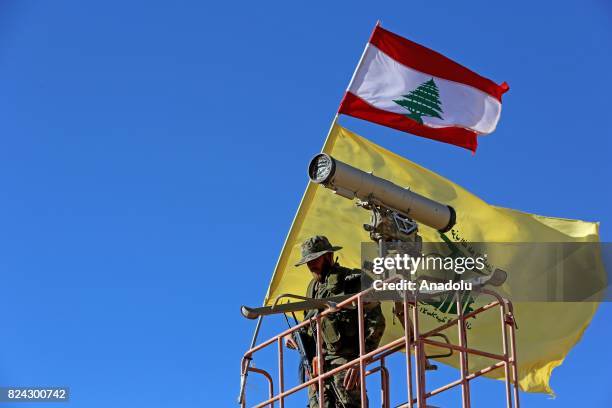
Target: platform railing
[[411, 340]]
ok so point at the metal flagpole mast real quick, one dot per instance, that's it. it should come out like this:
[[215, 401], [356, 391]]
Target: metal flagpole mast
[[331, 128]]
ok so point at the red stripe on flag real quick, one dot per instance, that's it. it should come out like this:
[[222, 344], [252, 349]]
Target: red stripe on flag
[[423, 59], [354, 106]]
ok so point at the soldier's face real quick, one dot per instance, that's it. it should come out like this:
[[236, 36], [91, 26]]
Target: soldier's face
[[319, 266]]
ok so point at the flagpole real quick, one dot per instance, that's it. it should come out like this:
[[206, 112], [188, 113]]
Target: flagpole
[[359, 63]]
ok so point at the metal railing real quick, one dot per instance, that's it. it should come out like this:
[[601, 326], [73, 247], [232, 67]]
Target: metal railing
[[412, 340]]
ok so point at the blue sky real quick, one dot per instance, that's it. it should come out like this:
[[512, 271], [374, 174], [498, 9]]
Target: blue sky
[[152, 157]]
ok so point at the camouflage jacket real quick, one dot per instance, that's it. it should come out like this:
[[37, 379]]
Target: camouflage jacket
[[340, 330]]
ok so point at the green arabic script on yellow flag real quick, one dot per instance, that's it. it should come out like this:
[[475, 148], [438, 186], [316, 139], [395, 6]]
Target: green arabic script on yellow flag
[[547, 330]]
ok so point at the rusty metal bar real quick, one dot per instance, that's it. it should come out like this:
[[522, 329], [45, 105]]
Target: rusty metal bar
[[419, 353], [384, 384], [362, 351], [465, 349], [407, 336], [385, 379], [321, 370], [387, 352], [468, 378], [270, 383], [281, 376], [485, 370], [463, 361], [504, 333], [384, 388], [385, 376], [512, 323]]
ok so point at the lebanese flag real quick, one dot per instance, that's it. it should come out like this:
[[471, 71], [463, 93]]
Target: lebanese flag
[[405, 86]]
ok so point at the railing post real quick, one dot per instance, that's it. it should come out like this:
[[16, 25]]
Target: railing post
[[419, 361], [463, 357], [384, 384], [320, 383], [362, 352], [281, 376], [511, 323], [502, 311]]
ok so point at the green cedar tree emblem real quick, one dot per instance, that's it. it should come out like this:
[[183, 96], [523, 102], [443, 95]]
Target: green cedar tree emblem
[[423, 101]]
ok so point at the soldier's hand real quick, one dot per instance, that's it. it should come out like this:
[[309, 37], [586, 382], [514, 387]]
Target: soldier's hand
[[290, 343], [315, 366], [351, 379]]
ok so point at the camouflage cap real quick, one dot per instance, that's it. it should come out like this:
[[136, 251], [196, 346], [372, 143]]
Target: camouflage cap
[[314, 247]]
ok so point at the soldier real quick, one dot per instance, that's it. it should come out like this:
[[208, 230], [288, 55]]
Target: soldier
[[339, 330]]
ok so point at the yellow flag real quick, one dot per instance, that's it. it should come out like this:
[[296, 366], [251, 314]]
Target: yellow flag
[[547, 330]]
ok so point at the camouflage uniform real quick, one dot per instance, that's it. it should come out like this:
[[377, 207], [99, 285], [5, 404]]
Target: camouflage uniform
[[340, 330]]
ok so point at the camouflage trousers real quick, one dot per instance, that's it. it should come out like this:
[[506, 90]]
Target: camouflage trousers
[[336, 396]]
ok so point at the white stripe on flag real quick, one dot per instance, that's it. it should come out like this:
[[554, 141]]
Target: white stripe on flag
[[381, 80]]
